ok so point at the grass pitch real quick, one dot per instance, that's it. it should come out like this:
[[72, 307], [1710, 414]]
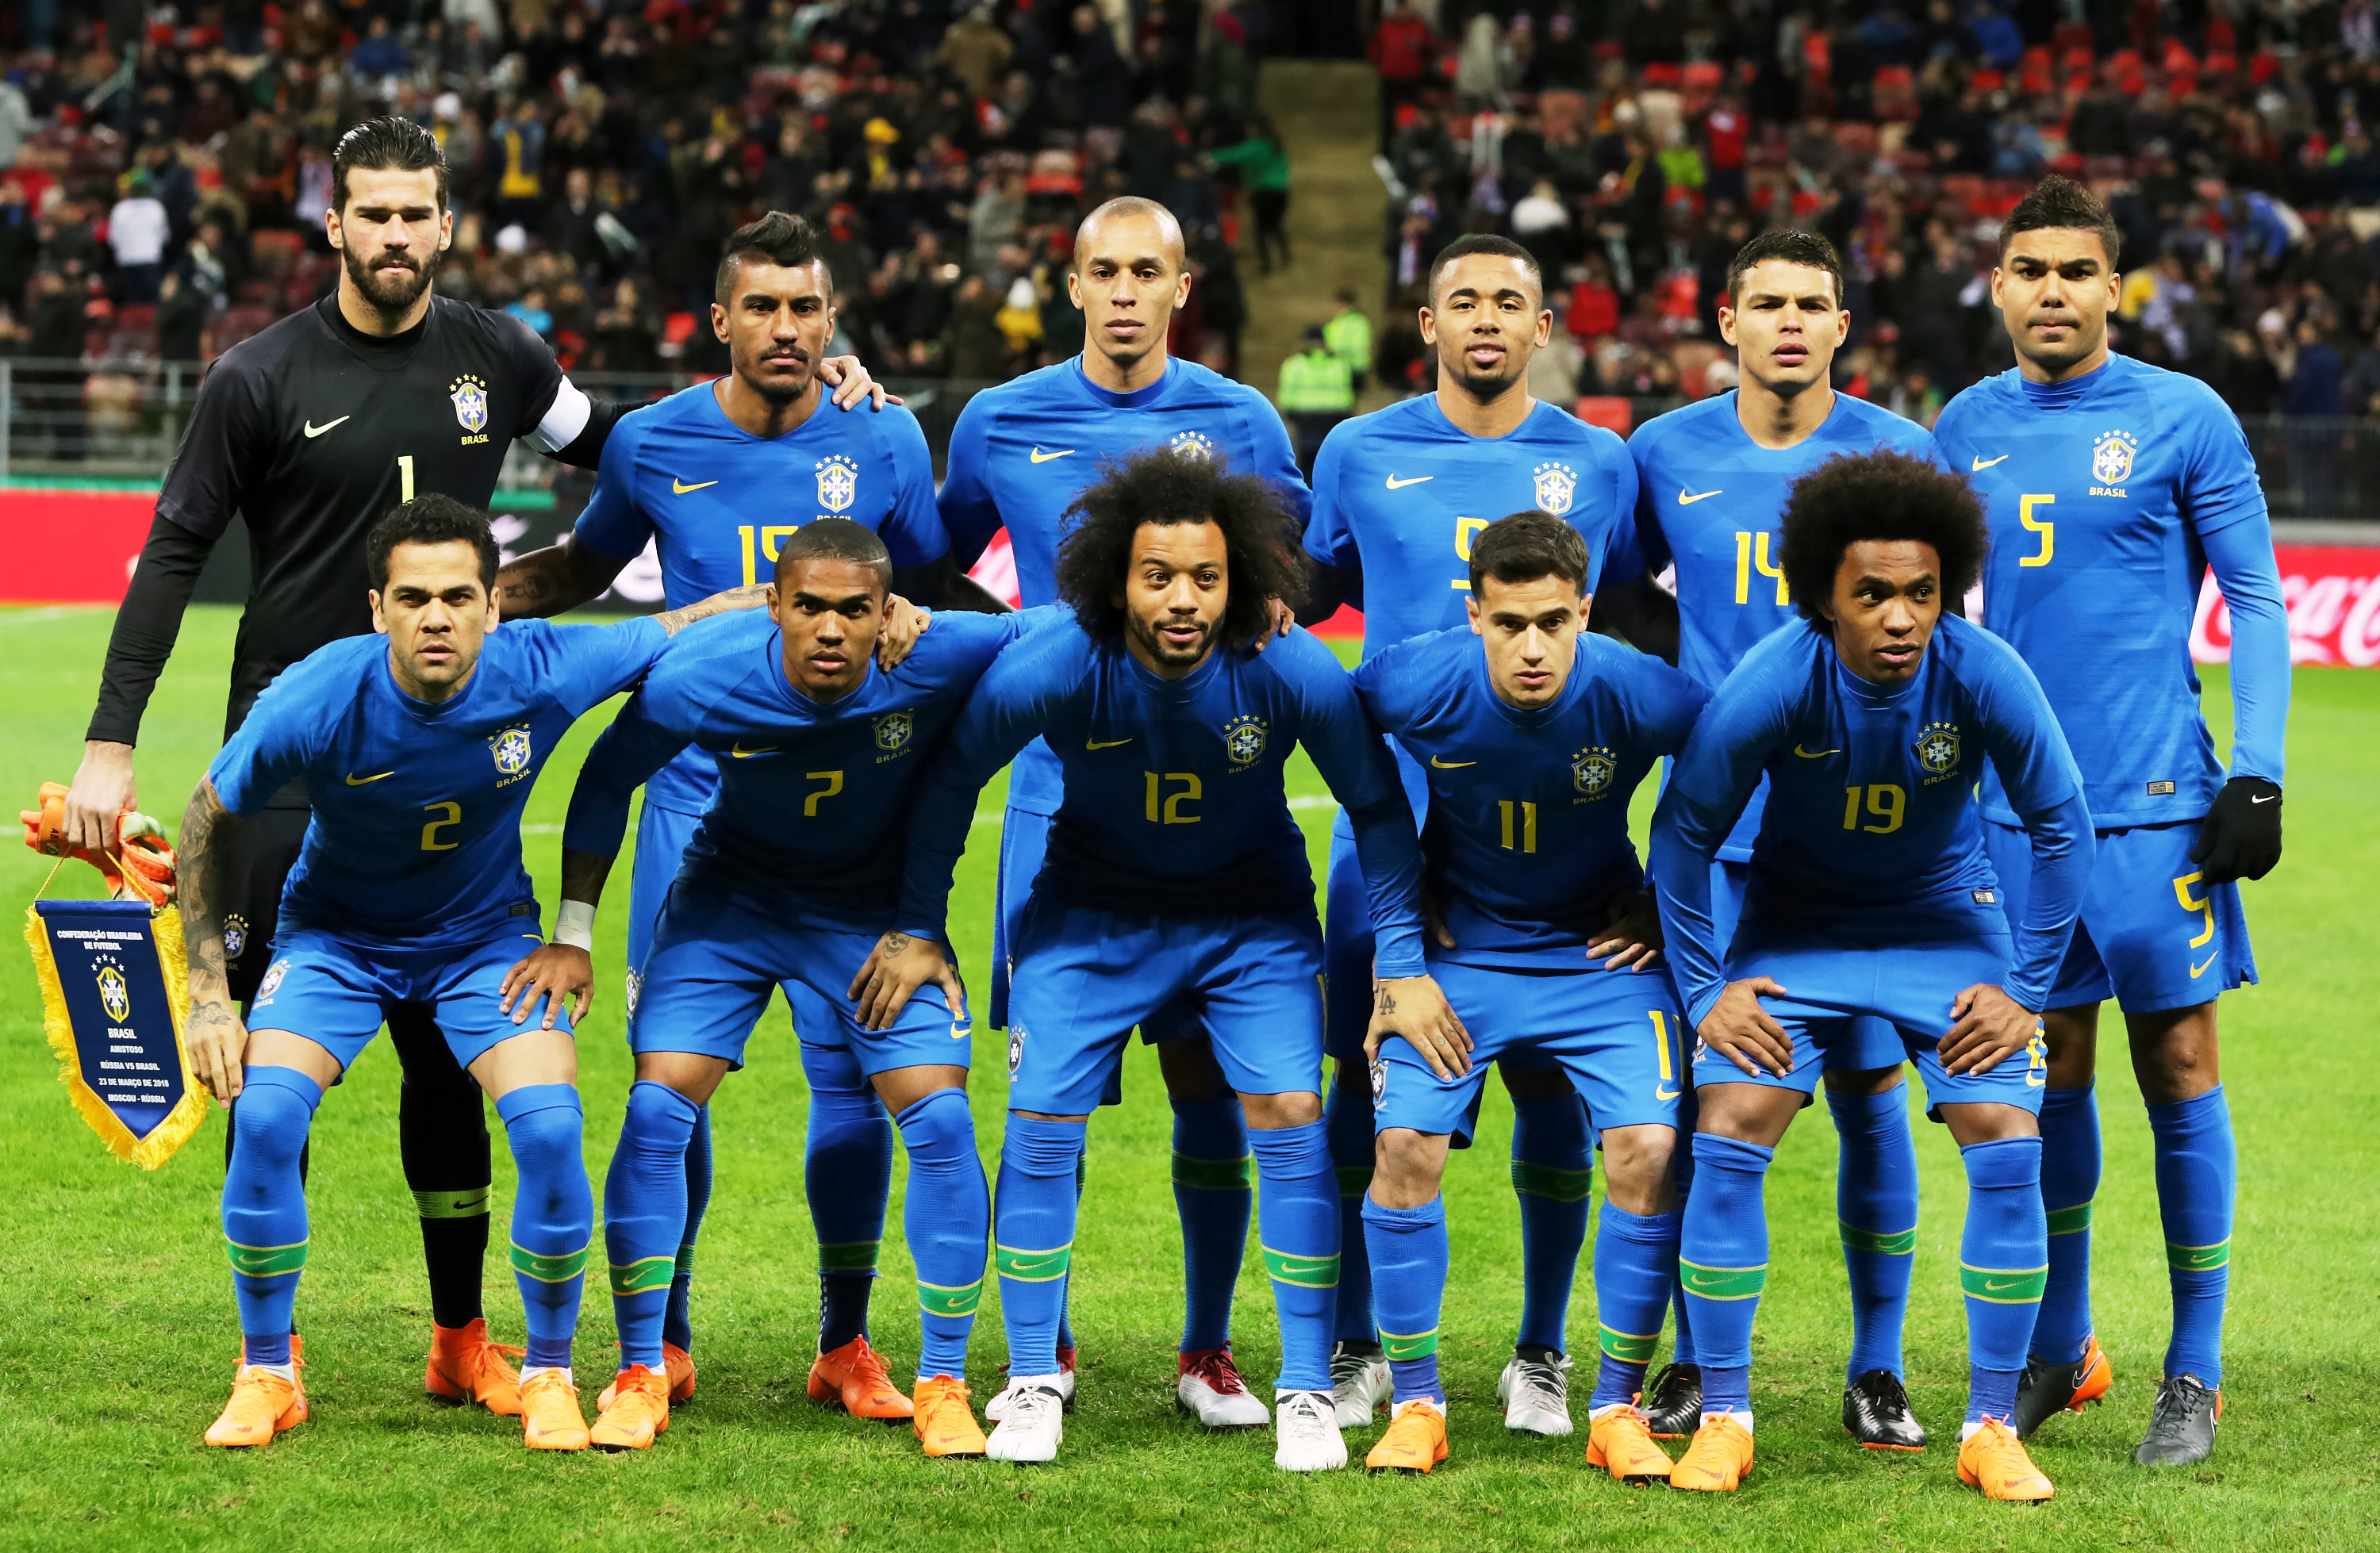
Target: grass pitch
[[116, 1321]]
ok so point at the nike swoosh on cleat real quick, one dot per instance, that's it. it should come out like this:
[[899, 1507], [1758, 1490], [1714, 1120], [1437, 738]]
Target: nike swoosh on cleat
[[1814, 754], [680, 486], [740, 753], [1686, 500], [1980, 464], [1451, 765], [1396, 484], [2197, 971], [354, 781], [1104, 743], [314, 431], [1041, 457]]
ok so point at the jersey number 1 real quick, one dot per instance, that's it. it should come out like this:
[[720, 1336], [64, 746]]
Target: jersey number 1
[[404, 477]]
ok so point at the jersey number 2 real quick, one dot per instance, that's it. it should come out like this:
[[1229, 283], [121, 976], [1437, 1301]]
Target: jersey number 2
[[451, 815]]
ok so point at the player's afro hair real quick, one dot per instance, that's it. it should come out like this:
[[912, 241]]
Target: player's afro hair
[[390, 142], [2061, 202], [1879, 496], [1526, 546], [431, 520], [1164, 487]]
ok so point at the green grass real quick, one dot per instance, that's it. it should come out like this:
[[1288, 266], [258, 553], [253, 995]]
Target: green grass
[[117, 1329]]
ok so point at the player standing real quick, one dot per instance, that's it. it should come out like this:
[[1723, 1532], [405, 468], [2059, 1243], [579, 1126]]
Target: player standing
[[1020, 455], [420, 753], [1392, 535], [1544, 933], [1870, 894], [1176, 882], [2112, 487], [1712, 483], [715, 477]]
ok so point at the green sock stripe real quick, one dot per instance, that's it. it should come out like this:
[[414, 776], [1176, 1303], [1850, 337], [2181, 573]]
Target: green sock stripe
[[1627, 1347], [1355, 1180], [1403, 1349], [2070, 1221], [266, 1261], [558, 1269], [1551, 1181], [2198, 1258], [2007, 1286], [1722, 1283], [644, 1276], [684, 1264], [859, 1256], [1898, 1242], [935, 1299], [1033, 1267], [1302, 1272], [472, 1204], [1214, 1175]]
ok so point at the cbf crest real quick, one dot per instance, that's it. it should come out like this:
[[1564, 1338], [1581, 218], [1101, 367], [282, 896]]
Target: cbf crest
[[1592, 770], [235, 937], [115, 996], [1193, 444], [511, 748], [1557, 487], [469, 396], [892, 733], [838, 482], [2111, 457], [1937, 750], [1243, 740]]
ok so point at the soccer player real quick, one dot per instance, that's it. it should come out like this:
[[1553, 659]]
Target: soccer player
[[791, 876], [420, 752], [1870, 894], [309, 433], [706, 476], [2111, 488], [1175, 882], [1020, 455], [1532, 736], [1389, 534], [1712, 481]]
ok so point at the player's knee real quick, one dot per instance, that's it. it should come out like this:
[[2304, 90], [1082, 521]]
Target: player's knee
[[690, 1073], [937, 1128], [1407, 1167], [543, 1123], [1639, 1169], [1975, 1123], [1755, 1113], [1295, 1108], [2175, 1055], [660, 1116], [272, 1117]]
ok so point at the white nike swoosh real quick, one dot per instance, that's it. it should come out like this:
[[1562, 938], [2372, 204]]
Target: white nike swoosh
[[2274, 799], [1980, 464], [314, 431], [1396, 484]]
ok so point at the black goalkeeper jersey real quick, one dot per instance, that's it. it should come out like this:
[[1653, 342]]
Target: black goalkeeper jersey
[[311, 431]]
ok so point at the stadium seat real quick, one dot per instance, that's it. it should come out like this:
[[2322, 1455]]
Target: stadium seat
[[1611, 411]]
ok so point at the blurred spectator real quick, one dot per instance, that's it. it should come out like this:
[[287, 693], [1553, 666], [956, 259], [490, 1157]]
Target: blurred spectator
[[1317, 392], [136, 230], [1264, 164], [1401, 50], [1348, 336]]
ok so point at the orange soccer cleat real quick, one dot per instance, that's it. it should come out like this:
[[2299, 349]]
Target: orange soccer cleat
[[1620, 1440], [945, 1422], [639, 1410], [142, 865], [1415, 1440], [261, 1405], [1717, 1460], [550, 1415], [677, 1363], [1993, 1458], [853, 1378], [465, 1367]]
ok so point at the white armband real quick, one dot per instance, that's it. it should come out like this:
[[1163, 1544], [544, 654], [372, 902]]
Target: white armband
[[576, 925]]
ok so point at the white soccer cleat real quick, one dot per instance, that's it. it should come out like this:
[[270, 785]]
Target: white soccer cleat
[[1536, 1394], [1360, 1385], [1305, 1427], [997, 1409], [1032, 1423], [1210, 1388]]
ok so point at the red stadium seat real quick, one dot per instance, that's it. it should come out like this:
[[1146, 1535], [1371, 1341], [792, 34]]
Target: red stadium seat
[[1611, 411]]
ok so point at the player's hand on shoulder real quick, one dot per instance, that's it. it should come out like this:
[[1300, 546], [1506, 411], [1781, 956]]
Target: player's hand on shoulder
[[903, 623], [897, 967], [1278, 619], [554, 972], [851, 384], [1632, 938], [1738, 1028], [1988, 1027], [101, 791], [217, 1042], [1413, 1007]]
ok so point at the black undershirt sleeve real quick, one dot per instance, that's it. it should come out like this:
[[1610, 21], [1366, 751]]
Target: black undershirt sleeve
[[146, 625]]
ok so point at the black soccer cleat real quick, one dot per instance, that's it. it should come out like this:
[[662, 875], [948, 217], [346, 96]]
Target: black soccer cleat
[[2046, 1390], [2181, 1428], [1673, 1403], [1876, 1410]]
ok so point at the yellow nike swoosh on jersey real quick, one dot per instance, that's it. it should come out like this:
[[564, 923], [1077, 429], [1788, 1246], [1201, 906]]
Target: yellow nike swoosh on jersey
[[1814, 754], [1686, 500], [354, 781], [1396, 484], [1662, 1093], [314, 431], [1451, 765], [1041, 457], [1978, 465], [1104, 743], [681, 488], [2197, 971], [740, 753]]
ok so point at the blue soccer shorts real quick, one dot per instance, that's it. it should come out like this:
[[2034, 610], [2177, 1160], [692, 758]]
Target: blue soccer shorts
[[2153, 934], [1868, 1044], [662, 836], [1083, 977], [1835, 977], [1614, 1033], [717, 953], [336, 992]]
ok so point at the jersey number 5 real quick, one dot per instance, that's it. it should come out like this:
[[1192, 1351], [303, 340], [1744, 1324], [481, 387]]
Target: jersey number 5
[[1465, 530], [2041, 526]]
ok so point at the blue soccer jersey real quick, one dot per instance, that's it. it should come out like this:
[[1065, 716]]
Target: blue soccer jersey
[[2108, 495], [415, 838], [1526, 845], [1871, 829], [717, 502], [813, 801], [1022, 453], [1174, 799]]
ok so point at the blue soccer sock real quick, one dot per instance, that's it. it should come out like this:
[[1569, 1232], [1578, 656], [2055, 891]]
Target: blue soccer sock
[[2070, 1179], [1297, 1211], [553, 1216], [2197, 1166], [644, 1215], [1214, 1194], [1409, 1259], [1347, 1119], [1682, 1170], [947, 1218], [847, 1168], [1066, 1284], [264, 1205], [678, 1319], [1723, 1261], [1033, 1236], [2003, 1262], [1635, 1262], [1876, 1209], [1553, 1172]]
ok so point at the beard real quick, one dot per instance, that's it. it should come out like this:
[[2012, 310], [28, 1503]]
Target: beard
[[390, 291], [1164, 651]]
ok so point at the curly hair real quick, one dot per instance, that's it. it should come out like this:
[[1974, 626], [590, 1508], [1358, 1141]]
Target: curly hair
[[1164, 487], [1879, 496]]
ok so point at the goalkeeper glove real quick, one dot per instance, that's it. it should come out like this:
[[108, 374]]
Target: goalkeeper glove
[[2242, 836]]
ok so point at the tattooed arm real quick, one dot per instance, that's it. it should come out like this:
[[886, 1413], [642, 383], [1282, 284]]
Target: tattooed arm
[[554, 580], [750, 597], [216, 1038]]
